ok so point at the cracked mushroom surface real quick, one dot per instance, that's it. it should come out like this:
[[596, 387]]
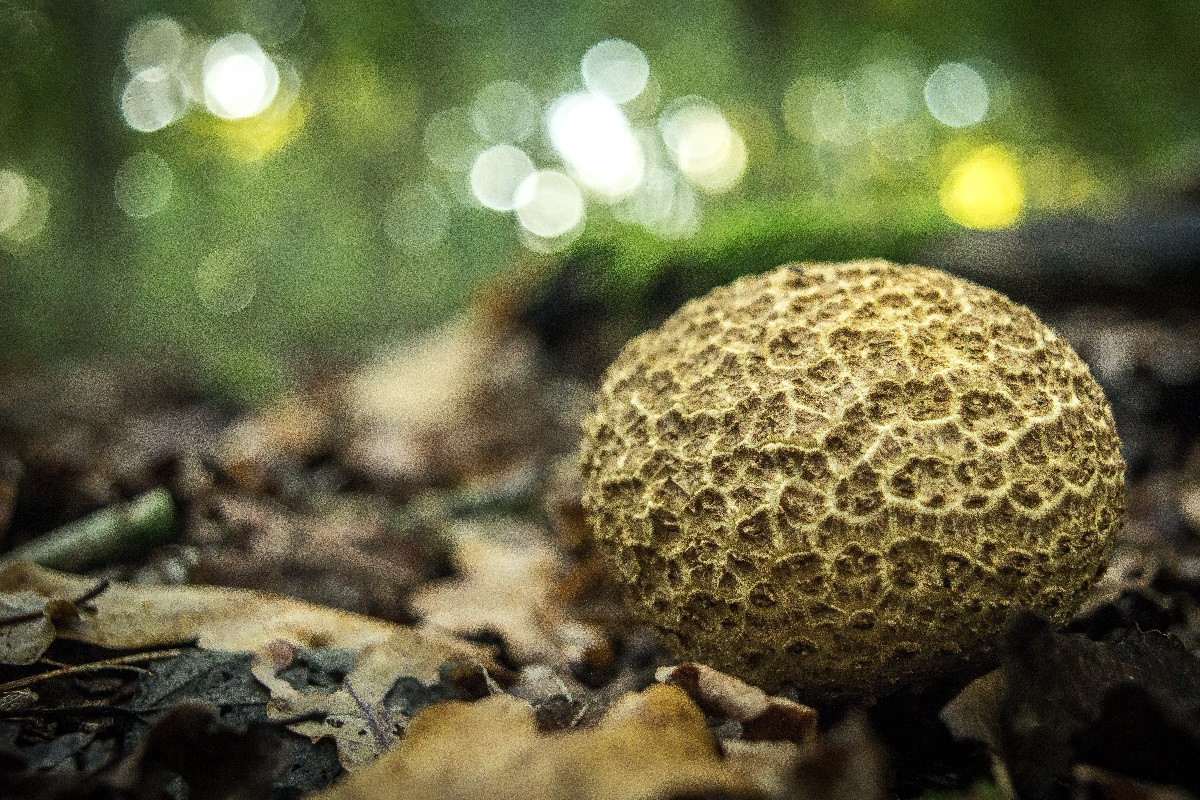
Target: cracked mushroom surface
[[842, 477]]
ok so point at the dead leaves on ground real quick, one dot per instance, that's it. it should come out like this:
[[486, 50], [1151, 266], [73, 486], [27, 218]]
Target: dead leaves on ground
[[342, 553], [368, 713], [453, 404], [653, 744], [397, 713], [761, 716], [657, 743], [397, 669], [435, 487], [1125, 705], [128, 616], [26, 626], [506, 584]]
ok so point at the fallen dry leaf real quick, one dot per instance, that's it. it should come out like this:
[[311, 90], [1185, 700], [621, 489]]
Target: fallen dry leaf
[[342, 554], [457, 402], [127, 616], [363, 716], [975, 712], [506, 586], [770, 766], [1100, 783], [649, 745], [25, 627], [848, 763], [762, 716], [190, 741], [1127, 703], [292, 428]]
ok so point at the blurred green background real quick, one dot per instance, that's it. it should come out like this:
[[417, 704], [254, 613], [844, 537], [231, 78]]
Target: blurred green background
[[237, 184]]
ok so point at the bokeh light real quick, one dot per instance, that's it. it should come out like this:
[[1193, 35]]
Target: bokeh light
[[708, 151], [417, 219], [664, 204], [594, 138], [24, 207], [956, 95], [256, 137], [497, 174], [834, 119], [152, 100], [984, 190], [143, 184], [643, 109], [505, 112], [821, 110], [156, 43], [14, 198], [240, 80], [615, 69], [225, 282], [890, 89], [549, 204], [373, 168]]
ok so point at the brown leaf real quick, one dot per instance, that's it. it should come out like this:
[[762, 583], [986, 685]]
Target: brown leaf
[[1127, 703], [1105, 785], [357, 715], [770, 766], [650, 745], [293, 428], [25, 627], [457, 402], [763, 717], [974, 713], [848, 763], [342, 555], [127, 616], [507, 587]]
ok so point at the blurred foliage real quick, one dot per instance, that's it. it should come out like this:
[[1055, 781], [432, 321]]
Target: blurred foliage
[[333, 218]]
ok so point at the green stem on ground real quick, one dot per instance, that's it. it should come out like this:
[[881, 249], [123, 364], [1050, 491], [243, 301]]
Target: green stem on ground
[[103, 537]]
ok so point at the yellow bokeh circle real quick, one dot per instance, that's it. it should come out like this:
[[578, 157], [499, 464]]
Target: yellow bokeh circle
[[984, 190]]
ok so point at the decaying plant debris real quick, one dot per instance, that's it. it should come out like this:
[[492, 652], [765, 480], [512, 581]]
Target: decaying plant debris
[[355, 603]]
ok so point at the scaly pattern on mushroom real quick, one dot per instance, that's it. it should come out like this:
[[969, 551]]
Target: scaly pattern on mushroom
[[842, 477]]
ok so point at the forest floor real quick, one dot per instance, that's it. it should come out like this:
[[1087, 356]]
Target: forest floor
[[196, 642]]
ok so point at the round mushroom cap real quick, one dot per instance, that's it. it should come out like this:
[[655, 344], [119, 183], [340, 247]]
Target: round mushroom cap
[[843, 477]]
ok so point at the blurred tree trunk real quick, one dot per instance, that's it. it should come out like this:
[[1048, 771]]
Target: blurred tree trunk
[[88, 118]]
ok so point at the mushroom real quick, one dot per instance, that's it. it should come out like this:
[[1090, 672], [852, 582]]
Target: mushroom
[[842, 477]]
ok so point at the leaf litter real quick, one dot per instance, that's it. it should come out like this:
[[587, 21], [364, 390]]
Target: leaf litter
[[401, 602]]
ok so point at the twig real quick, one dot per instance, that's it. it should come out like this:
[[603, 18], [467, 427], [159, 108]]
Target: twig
[[123, 662], [29, 616], [73, 711]]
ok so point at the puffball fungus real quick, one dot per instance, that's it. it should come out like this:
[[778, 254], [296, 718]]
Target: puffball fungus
[[842, 477]]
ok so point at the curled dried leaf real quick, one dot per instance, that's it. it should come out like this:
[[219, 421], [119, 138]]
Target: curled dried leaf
[[507, 586], [763, 716]]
